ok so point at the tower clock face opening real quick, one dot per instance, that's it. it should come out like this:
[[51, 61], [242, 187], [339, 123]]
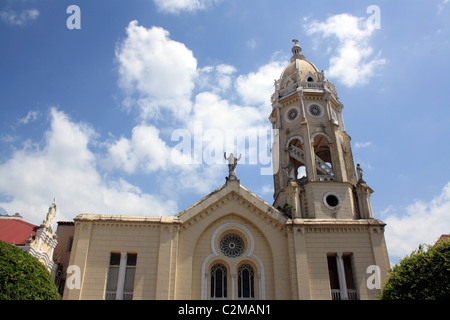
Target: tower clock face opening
[[315, 110], [292, 114]]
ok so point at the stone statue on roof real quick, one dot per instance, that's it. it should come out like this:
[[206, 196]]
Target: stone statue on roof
[[232, 163]]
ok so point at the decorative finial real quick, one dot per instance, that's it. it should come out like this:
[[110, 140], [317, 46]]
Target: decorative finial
[[296, 51]]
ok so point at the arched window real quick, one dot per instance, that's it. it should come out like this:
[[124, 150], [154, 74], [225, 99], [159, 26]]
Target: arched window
[[324, 165], [297, 159], [246, 282], [218, 281]]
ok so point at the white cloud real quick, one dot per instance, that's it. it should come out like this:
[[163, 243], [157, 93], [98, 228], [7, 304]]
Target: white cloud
[[177, 6], [221, 124], [251, 44], [156, 72], [360, 145], [144, 152], [12, 18], [422, 222], [159, 75], [217, 79], [65, 168], [442, 5], [355, 61], [267, 189], [217, 113], [256, 88], [229, 127], [30, 117]]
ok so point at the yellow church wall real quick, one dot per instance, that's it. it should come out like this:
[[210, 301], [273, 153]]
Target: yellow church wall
[[174, 254], [315, 192], [116, 237], [354, 240]]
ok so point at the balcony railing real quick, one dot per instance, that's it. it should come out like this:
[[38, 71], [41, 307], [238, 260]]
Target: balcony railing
[[128, 296], [111, 295], [285, 92], [312, 85], [325, 177], [351, 294]]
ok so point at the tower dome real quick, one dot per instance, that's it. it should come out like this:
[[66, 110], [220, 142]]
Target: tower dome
[[299, 69]]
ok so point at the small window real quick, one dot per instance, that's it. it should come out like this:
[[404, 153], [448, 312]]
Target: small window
[[114, 259], [131, 259], [310, 79]]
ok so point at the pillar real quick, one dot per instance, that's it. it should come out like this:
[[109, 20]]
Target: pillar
[[341, 275]]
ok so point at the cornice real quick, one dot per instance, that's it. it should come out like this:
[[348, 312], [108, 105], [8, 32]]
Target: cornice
[[336, 226]]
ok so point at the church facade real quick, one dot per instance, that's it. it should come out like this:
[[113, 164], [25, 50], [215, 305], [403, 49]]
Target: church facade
[[318, 240]]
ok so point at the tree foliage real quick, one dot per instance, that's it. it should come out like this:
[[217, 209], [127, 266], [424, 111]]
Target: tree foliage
[[23, 277], [424, 275]]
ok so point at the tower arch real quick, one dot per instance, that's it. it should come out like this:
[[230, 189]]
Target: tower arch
[[297, 162], [323, 157]]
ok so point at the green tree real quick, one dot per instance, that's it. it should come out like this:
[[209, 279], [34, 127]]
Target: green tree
[[424, 275], [23, 277]]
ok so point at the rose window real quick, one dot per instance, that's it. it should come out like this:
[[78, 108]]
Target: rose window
[[232, 245]]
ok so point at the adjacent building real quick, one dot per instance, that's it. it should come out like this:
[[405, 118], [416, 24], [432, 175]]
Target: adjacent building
[[61, 255], [39, 241]]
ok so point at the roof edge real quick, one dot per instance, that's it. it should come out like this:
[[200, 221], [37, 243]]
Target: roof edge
[[88, 217]]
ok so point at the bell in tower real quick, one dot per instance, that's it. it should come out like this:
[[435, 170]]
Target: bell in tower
[[314, 171]]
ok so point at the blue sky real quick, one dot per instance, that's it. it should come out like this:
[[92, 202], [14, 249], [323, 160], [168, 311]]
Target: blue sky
[[88, 115]]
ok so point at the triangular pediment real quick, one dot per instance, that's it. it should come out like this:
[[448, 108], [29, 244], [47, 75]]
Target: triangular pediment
[[231, 191]]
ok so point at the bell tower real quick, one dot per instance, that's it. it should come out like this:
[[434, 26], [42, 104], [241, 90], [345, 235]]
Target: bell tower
[[314, 172]]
